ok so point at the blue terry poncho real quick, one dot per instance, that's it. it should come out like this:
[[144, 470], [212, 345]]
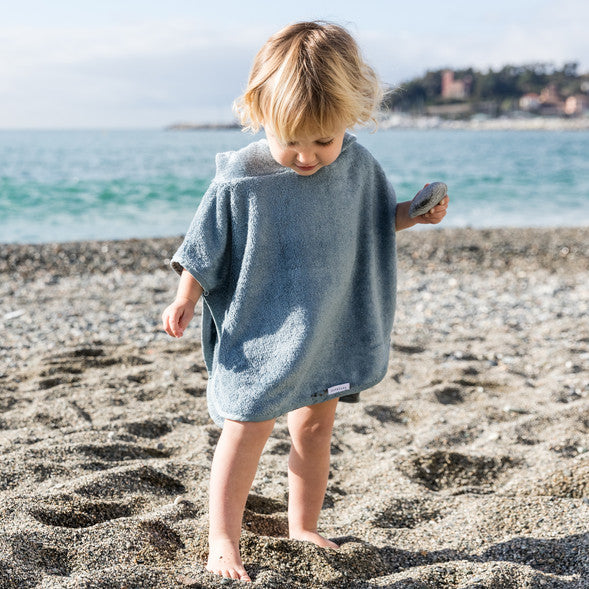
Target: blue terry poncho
[[299, 279]]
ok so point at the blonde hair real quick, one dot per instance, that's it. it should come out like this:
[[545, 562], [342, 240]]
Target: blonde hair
[[309, 78]]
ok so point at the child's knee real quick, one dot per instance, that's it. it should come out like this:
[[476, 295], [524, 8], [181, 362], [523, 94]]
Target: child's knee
[[312, 423]]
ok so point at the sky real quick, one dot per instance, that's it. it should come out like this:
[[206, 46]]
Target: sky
[[150, 63]]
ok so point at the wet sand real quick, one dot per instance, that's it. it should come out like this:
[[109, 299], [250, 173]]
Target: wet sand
[[467, 466]]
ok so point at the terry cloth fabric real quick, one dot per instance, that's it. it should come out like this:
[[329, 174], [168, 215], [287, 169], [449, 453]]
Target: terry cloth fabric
[[299, 279]]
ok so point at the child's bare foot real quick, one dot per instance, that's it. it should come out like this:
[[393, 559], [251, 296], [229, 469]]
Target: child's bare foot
[[314, 537], [225, 561]]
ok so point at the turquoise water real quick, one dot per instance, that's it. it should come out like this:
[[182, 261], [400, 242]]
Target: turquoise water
[[78, 185]]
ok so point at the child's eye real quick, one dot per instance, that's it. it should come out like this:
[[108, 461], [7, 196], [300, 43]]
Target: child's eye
[[324, 143]]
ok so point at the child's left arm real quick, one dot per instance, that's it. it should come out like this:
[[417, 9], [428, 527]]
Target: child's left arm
[[433, 216]]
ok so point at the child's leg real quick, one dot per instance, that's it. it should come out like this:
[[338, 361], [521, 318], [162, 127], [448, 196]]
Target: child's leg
[[232, 473], [308, 469]]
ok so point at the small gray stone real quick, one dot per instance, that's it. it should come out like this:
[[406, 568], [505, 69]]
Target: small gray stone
[[427, 198]]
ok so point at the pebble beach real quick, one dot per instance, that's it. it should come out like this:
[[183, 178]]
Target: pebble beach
[[466, 467]]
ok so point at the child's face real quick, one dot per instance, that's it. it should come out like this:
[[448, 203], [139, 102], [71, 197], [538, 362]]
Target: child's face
[[306, 154]]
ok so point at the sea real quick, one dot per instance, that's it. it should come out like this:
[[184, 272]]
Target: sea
[[58, 186]]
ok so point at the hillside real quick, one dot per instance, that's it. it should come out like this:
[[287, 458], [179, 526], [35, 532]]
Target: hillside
[[538, 88]]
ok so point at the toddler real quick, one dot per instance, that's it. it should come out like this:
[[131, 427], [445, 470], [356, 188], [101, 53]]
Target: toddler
[[293, 250]]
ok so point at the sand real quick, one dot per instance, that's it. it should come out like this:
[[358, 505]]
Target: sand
[[468, 466]]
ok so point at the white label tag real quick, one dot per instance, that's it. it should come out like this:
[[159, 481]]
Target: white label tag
[[340, 388]]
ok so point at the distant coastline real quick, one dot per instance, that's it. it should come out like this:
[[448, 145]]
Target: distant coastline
[[425, 122], [483, 123], [201, 126]]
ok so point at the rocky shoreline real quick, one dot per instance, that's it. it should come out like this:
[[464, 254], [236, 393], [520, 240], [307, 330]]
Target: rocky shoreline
[[475, 248], [503, 123], [467, 466]]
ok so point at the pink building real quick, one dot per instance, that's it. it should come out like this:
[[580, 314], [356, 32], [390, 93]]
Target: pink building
[[576, 105], [454, 89]]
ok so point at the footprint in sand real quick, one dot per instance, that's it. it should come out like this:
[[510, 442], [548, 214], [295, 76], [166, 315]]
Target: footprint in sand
[[386, 414], [160, 537], [28, 548], [119, 482], [195, 391], [570, 482], [265, 516], [118, 452], [449, 395], [407, 513], [280, 447], [81, 514], [408, 349], [440, 470], [68, 367], [54, 381], [148, 428], [264, 505], [213, 435]]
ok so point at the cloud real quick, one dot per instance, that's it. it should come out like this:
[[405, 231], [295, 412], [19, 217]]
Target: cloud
[[121, 75], [553, 33]]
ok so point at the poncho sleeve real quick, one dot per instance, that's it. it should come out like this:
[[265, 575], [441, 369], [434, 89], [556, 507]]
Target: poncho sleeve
[[205, 249]]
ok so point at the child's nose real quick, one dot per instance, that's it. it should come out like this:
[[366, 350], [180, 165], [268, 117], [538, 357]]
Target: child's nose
[[306, 156]]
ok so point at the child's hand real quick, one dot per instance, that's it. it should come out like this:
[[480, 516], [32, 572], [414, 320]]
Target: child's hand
[[435, 215], [177, 316]]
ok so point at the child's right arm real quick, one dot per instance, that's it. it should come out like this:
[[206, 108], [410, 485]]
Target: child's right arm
[[177, 316]]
